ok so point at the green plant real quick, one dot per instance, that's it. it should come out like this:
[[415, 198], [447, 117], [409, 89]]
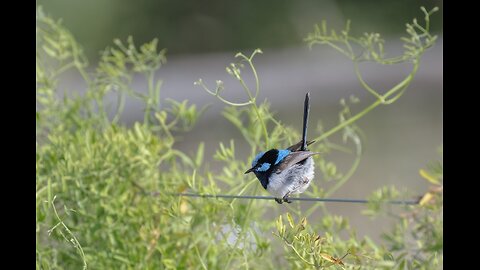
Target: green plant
[[106, 193], [93, 174], [369, 47]]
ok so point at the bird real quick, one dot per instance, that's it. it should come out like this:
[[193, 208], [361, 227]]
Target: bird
[[283, 172]]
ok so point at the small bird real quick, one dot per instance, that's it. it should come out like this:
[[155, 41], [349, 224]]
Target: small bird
[[283, 172]]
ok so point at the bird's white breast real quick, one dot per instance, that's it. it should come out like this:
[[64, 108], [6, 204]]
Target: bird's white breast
[[291, 179]]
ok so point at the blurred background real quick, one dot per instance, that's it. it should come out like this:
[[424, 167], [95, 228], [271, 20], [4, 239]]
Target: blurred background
[[202, 38]]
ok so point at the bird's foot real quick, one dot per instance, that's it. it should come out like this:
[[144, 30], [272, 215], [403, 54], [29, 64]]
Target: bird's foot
[[279, 201], [285, 199]]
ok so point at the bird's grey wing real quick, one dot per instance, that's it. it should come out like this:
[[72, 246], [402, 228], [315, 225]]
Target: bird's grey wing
[[297, 146], [293, 158]]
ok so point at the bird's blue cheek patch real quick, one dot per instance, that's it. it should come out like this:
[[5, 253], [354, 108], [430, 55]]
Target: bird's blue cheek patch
[[264, 167], [281, 155]]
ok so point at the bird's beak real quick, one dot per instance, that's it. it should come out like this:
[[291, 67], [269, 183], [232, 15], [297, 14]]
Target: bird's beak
[[249, 170]]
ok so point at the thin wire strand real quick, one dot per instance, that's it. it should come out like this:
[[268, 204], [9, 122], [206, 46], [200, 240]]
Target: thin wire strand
[[406, 202]]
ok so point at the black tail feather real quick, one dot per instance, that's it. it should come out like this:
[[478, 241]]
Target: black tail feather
[[305, 121]]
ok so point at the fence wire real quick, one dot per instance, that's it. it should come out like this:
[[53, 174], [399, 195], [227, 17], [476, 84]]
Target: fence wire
[[310, 199]]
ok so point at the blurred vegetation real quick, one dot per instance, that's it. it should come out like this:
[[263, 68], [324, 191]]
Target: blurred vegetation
[[218, 25], [106, 193]]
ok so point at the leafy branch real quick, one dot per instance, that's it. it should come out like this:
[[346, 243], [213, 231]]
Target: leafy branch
[[371, 47], [234, 70]]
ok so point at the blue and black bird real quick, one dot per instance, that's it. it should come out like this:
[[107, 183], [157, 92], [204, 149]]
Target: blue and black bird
[[284, 172]]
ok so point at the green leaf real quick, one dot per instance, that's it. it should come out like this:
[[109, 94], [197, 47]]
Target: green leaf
[[49, 51], [430, 178], [388, 257], [138, 131], [186, 159], [290, 220], [200, 154], [426, 198], [52, 42], [279, 224]]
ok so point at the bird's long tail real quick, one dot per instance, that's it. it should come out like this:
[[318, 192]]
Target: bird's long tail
[[305, 121]]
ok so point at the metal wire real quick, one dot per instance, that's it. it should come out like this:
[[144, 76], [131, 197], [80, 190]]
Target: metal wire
[[406, 202]]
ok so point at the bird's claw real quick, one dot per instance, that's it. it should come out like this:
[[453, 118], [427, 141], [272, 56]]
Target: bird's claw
[[282, 200], [285, 199]]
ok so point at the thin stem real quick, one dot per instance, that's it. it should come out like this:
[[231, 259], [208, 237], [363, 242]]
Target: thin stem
[[84, 74], [217, 95], [254, 71], [151, 89], [78, 64], [264, 127], [101, 107], [364, 84], [200, 258], [342, 51], [63, 69], [253, 99], [392, 100], [243, 189], [296, 252], [146, 118], [73, 240], [121, 105]]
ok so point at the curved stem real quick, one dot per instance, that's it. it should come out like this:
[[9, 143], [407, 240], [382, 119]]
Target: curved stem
[[403, 84], [392, 100], [254, 71], [364, 84], [217, 95], [340, 50], [121, 105]]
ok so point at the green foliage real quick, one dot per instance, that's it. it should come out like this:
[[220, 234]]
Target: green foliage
[[94, 176], [106, 193], [414, 242]]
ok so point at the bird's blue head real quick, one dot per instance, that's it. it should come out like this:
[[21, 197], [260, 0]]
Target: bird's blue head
[[264, 162]]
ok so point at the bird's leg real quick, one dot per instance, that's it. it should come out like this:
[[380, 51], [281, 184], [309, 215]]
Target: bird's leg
[[279, 201]]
